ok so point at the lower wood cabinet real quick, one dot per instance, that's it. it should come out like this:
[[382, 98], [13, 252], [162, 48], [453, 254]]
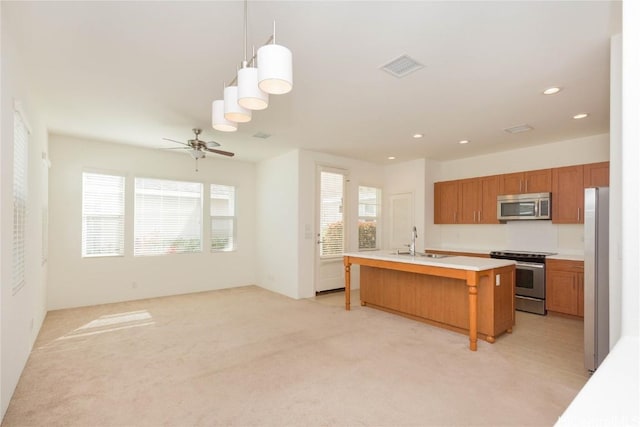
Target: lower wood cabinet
[[565, 287]]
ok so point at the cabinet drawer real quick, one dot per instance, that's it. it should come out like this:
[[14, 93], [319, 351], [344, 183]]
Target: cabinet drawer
[[565, 265]]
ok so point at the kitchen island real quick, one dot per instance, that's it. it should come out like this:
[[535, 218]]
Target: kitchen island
[[475, 296]]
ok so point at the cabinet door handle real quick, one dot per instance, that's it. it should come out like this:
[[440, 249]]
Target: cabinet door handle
[[520, 187], [578, 214], [474, 216], [526, 185], [454, 216], [479, 216]]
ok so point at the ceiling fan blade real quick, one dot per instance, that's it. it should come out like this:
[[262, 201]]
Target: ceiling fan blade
[[211, 143], [178, 148], [173, 140], [224, 153]]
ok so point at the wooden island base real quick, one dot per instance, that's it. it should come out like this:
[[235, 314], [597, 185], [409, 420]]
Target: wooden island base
[[441, 301], [477, 303]]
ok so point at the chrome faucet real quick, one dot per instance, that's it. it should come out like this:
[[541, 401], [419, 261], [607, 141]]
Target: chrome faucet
[[414, 236]]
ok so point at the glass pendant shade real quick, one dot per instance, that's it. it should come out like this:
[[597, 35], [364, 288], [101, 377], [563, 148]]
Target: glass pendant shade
[[232, 110], [249, 94], [218, 121], [275, 69]]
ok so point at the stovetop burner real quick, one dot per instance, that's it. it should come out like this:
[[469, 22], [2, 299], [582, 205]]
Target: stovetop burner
[[523, 253]]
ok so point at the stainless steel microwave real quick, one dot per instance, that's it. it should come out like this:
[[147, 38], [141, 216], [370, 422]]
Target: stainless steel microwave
[[524, 206]]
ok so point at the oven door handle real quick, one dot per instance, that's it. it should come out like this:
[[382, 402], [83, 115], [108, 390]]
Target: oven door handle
[[529, 264]]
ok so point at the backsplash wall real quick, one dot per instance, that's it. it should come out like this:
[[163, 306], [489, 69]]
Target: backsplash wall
[[519, 235]]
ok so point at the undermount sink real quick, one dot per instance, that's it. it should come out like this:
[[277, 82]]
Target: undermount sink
[[427, 255]]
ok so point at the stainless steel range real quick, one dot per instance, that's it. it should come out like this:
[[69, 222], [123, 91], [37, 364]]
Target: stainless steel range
[[530, 278]]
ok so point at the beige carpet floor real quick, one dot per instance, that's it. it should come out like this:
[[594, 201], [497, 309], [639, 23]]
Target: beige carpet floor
[[249, 357]]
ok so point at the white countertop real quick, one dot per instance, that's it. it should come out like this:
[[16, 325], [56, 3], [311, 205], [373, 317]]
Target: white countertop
[[561, 255], [455, 262]]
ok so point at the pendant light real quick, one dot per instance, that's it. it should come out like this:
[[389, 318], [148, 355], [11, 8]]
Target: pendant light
[[249, 94], [275, 68], [232, 110], [269, 71], [217, 118]]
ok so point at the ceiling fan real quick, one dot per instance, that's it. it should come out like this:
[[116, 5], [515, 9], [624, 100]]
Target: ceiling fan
[[197, 148]]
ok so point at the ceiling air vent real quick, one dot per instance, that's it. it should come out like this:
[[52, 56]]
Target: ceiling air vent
[[261, 135], [519, 129], [402, 66]]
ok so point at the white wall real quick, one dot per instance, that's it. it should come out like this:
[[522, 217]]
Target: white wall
[[615, 193], [541, 235], [407, 178], [277, 220], [76, 281], [22, 314]]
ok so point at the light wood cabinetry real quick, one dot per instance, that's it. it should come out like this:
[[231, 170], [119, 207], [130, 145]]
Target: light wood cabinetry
[[536, 181], [596, 175], [466, 201], [445, 205], [565, 287], [567, 201], [474, 200], [569, 182], [442, 301]]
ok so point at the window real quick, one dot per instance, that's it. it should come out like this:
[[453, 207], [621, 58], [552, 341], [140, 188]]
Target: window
[[20, 169], [331, 214], [102, 215], [223, 220], [168, 217], [368, 217]]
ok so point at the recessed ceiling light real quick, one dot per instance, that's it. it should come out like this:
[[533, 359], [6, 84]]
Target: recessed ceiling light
[[391, 158], [581, 116], [552, 90], [417, 135], [464, 141]]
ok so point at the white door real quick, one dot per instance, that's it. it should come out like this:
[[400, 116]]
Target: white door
[[401, 216], [330, 229]]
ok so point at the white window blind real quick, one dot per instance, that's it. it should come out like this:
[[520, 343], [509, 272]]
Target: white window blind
[[223, 219], [102, 215], [331, 214], [20, 173], [168, 217], [369, 202]]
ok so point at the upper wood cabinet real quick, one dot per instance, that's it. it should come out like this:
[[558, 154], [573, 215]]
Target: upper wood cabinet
[[596, 175], [466, 201], [474, 200], [536, 181], [445, 205], [567, 200]]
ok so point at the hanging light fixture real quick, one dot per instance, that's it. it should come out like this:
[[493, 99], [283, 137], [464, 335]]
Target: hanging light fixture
[[267, 72], [249, 94], [275, 67], [217, 118], [232, 110]]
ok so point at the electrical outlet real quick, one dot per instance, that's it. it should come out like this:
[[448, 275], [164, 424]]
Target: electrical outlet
[[497, 280]]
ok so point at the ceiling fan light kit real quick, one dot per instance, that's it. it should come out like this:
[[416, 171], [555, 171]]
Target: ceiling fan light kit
[[270, 71]]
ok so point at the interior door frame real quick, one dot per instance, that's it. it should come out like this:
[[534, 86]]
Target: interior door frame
[[317, 260]]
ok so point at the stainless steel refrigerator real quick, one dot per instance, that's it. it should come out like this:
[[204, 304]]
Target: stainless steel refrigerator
[[596, 276]]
